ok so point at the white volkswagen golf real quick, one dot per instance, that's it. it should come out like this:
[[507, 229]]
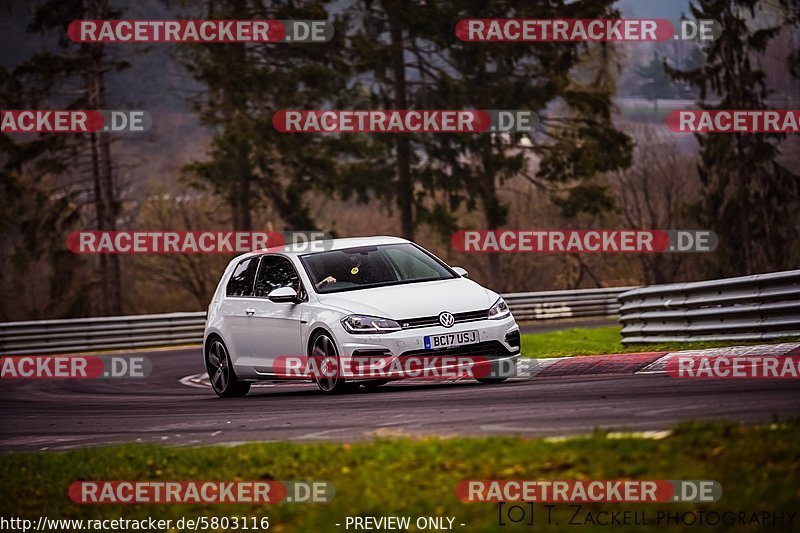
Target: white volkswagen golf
[[383, 298]]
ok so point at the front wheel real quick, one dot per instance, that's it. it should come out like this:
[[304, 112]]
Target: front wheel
[[328, 371], [497, 372], [220, 372], [490, 381]]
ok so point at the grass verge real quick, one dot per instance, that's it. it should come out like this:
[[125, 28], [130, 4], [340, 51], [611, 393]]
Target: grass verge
[[757, 467], [605, 340]]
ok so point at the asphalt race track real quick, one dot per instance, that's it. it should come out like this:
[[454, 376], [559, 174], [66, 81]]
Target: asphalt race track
[[55, 415]]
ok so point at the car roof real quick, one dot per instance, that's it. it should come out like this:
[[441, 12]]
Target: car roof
[[327, 245]]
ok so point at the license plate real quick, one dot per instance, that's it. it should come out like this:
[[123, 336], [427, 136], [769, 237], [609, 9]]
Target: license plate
[[448, 340]]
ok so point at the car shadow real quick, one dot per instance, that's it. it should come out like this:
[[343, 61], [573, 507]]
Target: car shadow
[[390, 388]]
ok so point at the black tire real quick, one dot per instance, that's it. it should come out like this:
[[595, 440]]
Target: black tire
[[495, 375], [220, 371], [490, 381], [328, 379]]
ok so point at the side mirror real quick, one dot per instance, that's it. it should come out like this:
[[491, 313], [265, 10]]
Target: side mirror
[[461, 272], [283, 295]]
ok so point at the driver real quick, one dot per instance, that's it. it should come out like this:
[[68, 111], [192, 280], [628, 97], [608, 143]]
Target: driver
[[330, 279], [326, 281]]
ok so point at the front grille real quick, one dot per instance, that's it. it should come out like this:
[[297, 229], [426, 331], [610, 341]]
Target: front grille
[[427, 321], [488, 349]]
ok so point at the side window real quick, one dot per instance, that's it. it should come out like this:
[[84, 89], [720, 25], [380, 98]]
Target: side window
[[241, 282], [276, 272]]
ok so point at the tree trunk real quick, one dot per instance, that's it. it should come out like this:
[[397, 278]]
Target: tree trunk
[[405, 185], [100, 220], [106, 203], [244, 217], [495, 218]]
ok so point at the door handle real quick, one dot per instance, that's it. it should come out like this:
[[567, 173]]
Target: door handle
[[249, 310]]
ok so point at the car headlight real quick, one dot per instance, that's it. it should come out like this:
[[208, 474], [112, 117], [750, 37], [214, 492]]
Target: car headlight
[[369, 324], [499, 310]]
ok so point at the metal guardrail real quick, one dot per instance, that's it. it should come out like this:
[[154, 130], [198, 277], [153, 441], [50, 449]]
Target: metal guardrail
[[105, 333], [579, 303], [760, 307], [172, 329]]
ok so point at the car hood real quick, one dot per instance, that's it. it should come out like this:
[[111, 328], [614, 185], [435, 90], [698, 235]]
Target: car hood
[[412, 300]]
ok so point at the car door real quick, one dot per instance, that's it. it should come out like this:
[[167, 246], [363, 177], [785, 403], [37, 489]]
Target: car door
[[275, 327], [236, 310]]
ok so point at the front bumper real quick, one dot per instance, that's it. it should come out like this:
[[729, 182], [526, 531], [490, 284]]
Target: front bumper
[[498, 343]]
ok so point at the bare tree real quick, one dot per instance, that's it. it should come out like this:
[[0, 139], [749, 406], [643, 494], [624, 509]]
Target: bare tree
[[656, 193]]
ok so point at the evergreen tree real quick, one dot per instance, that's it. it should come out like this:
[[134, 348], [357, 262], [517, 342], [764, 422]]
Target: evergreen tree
[[397, 52], [250, 161], [78, 71], [569, 85], [749, 198], [411, 58]]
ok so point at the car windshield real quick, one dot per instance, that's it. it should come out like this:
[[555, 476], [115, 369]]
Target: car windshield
[[372, 266]]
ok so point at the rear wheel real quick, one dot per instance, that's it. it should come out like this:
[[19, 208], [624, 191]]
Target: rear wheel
[[220, 372], [328, 374]]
